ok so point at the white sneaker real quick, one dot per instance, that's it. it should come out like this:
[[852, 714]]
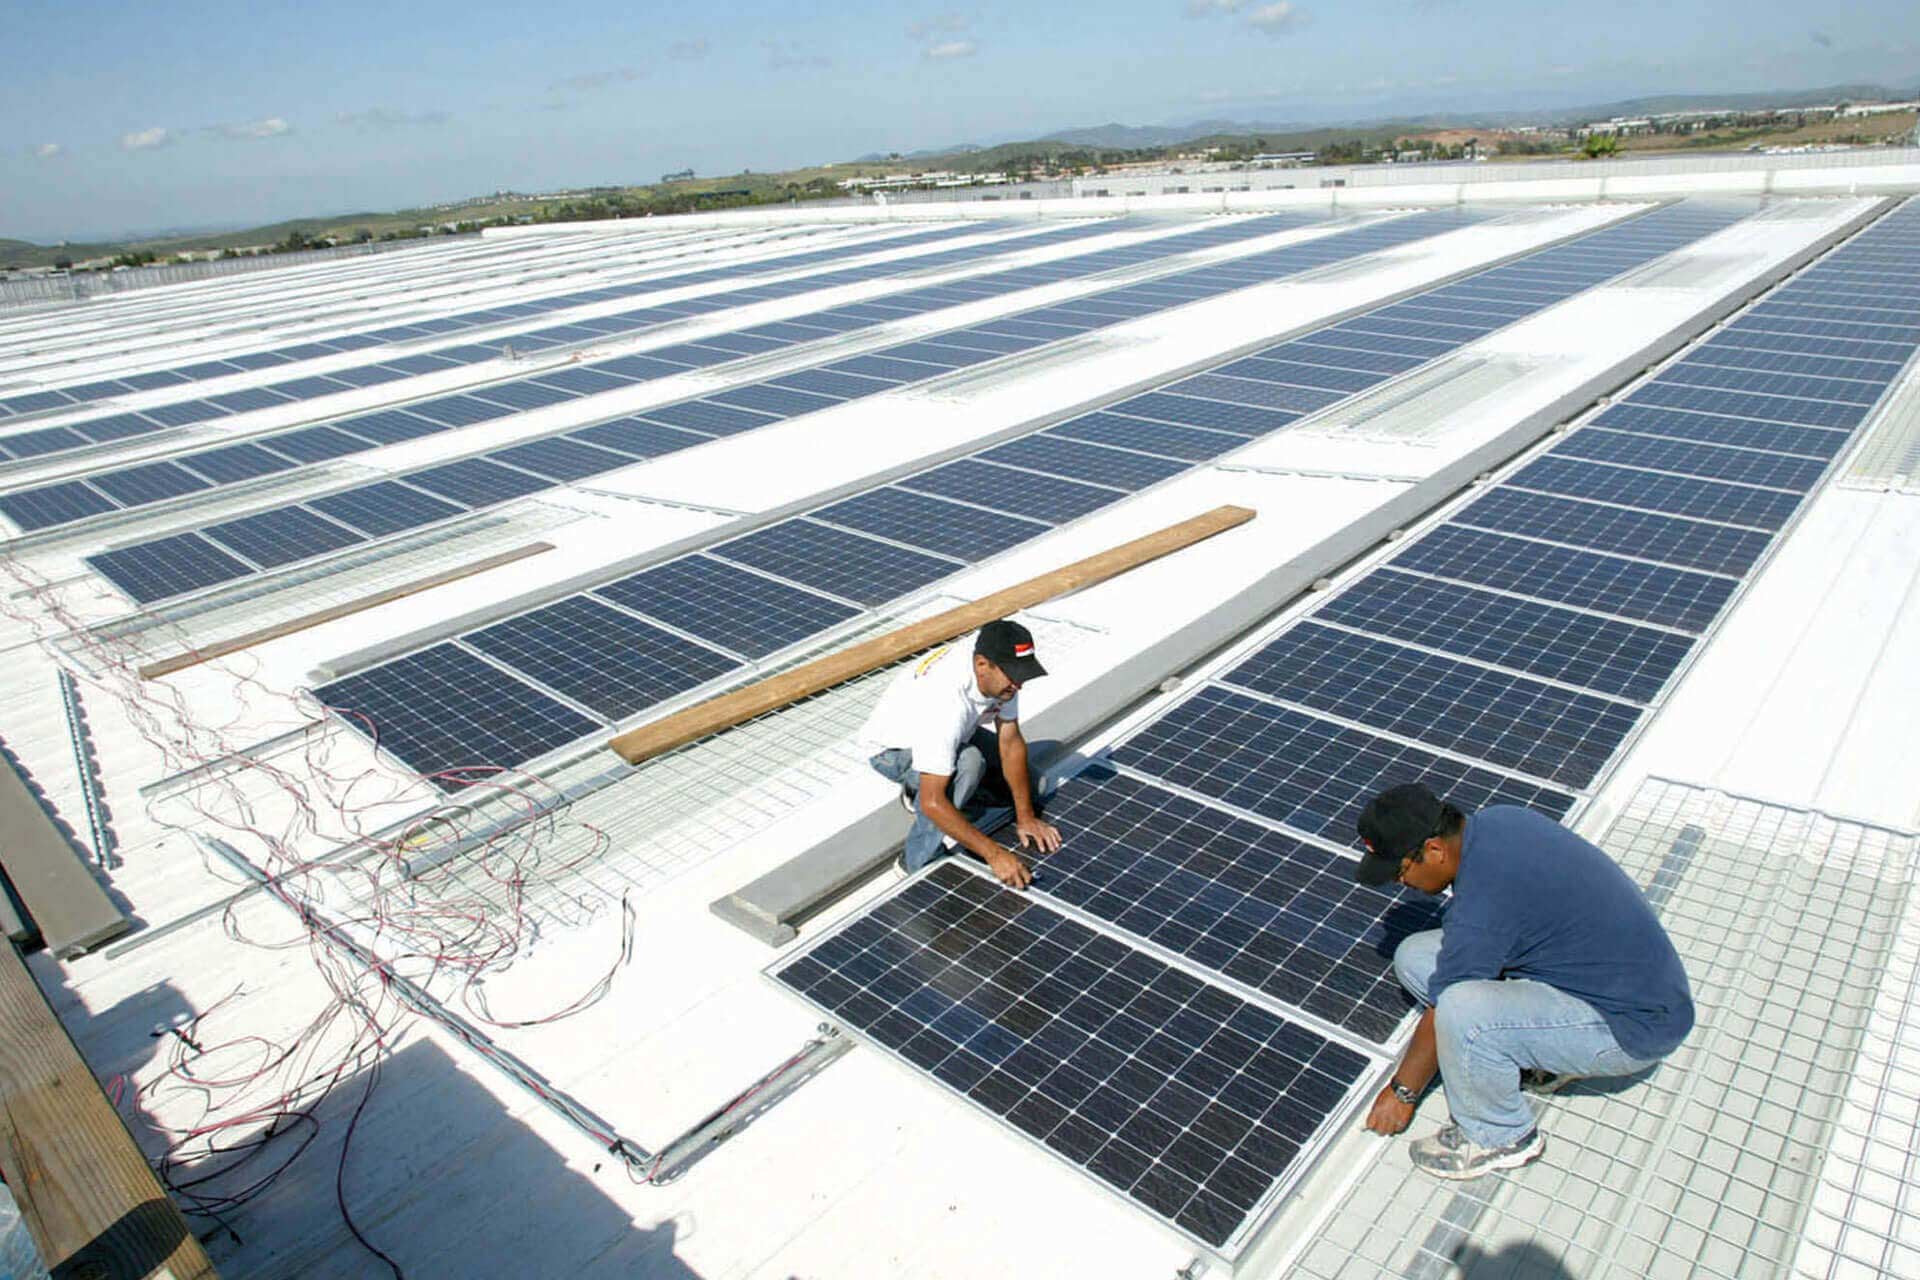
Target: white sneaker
[[1452, 1155]]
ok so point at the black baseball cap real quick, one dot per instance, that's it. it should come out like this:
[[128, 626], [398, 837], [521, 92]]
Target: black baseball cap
[[1393, 825], [1009, 646]]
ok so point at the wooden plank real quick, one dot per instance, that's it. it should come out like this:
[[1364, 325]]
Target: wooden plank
[[58, 889], [771, 694], [194, 657], [91, 1202]]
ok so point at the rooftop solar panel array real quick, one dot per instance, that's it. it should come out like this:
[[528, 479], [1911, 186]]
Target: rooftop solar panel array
[[834, 553], [754, 405], [1214, 833]]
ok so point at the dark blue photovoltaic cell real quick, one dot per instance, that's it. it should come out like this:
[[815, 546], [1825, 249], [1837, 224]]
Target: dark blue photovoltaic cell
[[1216, 415], [315, 444], [599, 656], [1710, 461], [444, 709], [523, 395], [148, 482], [1691, 544], [1171, 1091], [1005, 489], [477, 482], [712, 419], [384, 507], [1089, 462], [1597, 653], [1812, 413], [32, 444], [274, 538], [248, 399], [458, 410], [638, 437], [168, 566], [52, 504], [561, 459], [1269, 395], [1776, 437], [919, 520], [390, 426], [1283, 916], [1189, 444], [118, 426], [1518, 723], [1310, 774], [1677, 495], [1629, 588], [845, 564], [777, 401], [729, 606], [234, 463]]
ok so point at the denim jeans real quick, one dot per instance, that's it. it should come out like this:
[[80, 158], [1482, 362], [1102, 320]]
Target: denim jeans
[[1488, 1032], [979, 759]]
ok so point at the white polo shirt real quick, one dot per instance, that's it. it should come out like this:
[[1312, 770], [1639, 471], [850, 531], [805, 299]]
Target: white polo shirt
[[933, 707]]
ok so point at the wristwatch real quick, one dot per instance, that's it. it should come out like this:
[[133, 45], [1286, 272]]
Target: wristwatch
[[1403, 1093]]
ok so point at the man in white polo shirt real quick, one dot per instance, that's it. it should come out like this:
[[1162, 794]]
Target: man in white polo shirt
[[937, 728]]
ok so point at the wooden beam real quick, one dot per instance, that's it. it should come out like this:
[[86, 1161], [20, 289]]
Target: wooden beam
[[87, 1194], [194, 657], [771, 694]]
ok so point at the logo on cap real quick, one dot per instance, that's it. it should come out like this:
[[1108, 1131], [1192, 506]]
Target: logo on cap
[[1022, 650]]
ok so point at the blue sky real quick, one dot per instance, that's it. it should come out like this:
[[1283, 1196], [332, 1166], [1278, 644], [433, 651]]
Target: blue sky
[[117, 116]]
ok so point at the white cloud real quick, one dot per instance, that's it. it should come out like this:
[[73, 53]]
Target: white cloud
[[1213, 8], [689, 50], [948, 50], [146, 139], [599, 79], [271, 127], [48, 151], [1274, 18], [389, 118]]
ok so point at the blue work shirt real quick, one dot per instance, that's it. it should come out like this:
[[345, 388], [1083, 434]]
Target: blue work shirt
[[1534, 900]]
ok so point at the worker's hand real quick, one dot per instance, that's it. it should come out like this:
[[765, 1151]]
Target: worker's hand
[[1010, 870], [1389, 1115], [1035, 834]]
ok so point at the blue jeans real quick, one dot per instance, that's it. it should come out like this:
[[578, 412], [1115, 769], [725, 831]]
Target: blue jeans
[[979, 758], [1488, 1032]]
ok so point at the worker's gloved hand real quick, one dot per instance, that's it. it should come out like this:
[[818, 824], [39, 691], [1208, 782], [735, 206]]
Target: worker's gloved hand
[[1389, 1115], [1035, 834], [1011, 871]]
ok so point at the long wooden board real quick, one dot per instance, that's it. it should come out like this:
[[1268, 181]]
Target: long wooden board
[[740, 705], [87, 1194], [194, 657]]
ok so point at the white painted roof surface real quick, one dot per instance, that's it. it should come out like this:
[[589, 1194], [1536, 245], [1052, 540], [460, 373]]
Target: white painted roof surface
[[1799, 702]]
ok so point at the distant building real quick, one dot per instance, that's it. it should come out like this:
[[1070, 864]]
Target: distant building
[[684, 175]]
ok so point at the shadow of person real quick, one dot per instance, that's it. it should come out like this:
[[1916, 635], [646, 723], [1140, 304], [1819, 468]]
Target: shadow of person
[[1519, 1260]]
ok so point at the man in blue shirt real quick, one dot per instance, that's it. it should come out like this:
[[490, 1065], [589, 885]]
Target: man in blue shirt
[[1549, 963]]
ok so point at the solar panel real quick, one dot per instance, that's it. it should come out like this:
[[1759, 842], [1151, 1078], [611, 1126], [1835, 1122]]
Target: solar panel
[[845, 564], [1650, 491], [444, 709], [390, 426], [53, 504], [1216, 415], [117, 426], [1589, 580], [710, 418], [599, 656], [32, 444], [919, 520], [1300, 374], [234, 463], [166, 567], [843, 386], [778, 401], [1710, 461], [274, 538], [458, 410], [185, 413], [1300, 770], [1519, 723], [1190, 1101], [1023, 493], [522, 395], [716, 601], [638, 438], [315, 444], [149, 482], [1270, 395], [1189, 444], [1283, 916], [477, 482], [384, 507], [1706, 428], [1077, 460], [1691, 544], [248, 399], [561, 459], [1584, 649], [1812, 413]]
